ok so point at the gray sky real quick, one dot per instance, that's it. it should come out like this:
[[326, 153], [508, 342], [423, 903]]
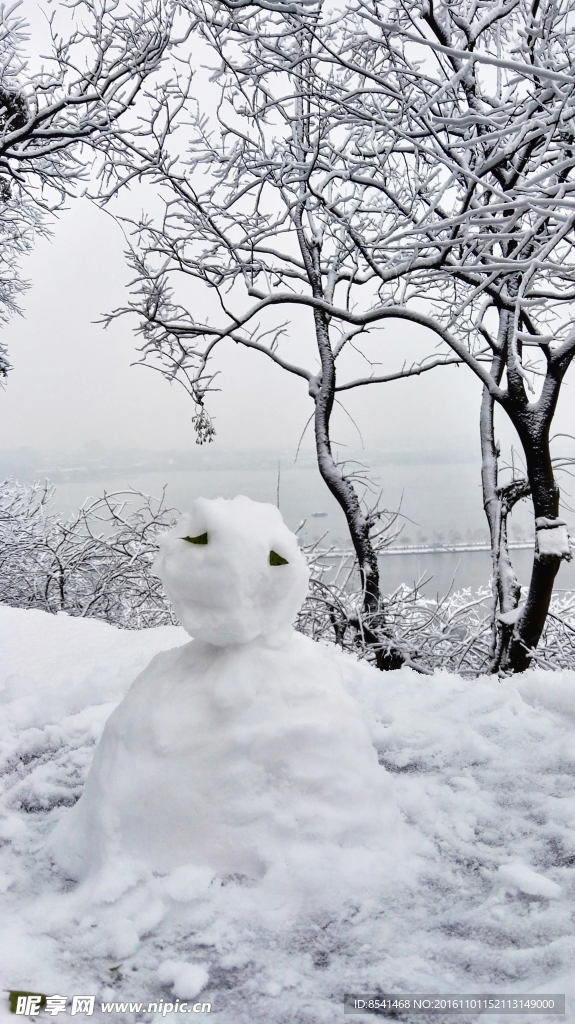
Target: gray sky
[[72, 381]]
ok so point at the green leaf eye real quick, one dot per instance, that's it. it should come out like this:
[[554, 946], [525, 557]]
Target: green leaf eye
[[276, 559], [202, 539]]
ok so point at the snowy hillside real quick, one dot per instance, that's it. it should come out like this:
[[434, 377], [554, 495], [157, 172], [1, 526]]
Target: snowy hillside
[[480, 896]]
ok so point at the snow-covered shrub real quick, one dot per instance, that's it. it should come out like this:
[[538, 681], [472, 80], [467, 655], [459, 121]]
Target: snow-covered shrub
[[556, 648], [451, 632], [95, 563]]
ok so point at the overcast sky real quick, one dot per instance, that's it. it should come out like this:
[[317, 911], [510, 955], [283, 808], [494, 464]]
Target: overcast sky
[[73, 382]]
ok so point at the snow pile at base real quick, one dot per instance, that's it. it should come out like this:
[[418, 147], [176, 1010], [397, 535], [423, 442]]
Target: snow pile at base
[[53, 666], [483, 897]]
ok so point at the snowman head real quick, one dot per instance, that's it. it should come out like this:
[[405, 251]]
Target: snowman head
[[233, 571]]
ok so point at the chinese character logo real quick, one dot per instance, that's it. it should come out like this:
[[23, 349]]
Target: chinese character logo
[[26, 1003], [83, 1004], [55, 1004]]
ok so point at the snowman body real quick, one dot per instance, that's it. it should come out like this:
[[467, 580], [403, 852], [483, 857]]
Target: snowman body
[[243, 743]]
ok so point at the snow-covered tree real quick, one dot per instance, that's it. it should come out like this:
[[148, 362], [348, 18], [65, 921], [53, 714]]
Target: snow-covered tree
[[396, 163], [252, 219], [475, 159], [55, 110]]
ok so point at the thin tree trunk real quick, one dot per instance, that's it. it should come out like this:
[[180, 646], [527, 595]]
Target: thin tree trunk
[[322, 390], [545, 493], [533, 423], [506, 589], [345, 495]]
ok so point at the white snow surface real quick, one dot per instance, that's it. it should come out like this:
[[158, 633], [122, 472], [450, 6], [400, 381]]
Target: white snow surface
[[478, 894], [554, 540]]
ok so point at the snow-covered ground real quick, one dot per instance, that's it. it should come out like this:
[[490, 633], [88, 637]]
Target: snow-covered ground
[[481, 896]]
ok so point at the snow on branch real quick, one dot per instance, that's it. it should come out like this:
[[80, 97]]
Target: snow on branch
[[96, 563], [55, 117]]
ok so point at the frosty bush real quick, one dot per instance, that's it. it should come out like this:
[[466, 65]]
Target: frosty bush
[[453, 632], [97, 563]]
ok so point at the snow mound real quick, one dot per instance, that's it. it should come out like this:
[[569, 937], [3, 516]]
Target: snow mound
[[227, 757], [52, 666], [528, 881], [187, 980], [483, 771]]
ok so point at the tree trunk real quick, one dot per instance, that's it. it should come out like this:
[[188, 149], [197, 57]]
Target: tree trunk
[[345, 495], [506, 589], [532, 422], [545, 494], [371, 624]]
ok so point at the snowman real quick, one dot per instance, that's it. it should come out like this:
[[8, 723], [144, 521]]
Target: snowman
[[233, 748]]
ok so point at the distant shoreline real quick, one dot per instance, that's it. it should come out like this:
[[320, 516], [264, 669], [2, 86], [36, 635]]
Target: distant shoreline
[[420, 549]]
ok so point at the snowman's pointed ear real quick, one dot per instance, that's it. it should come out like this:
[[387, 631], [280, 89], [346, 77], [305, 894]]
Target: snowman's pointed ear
[[276, 559], [201, 539]]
